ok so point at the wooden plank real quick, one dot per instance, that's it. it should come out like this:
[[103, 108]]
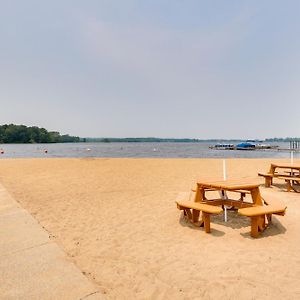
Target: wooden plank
[[293, 178], [195, 215], [254, 227], [206, 219], [285, 166], [261, 210], [265, 174], [199, 206], [256, 197], [227, 187], [230, 185], [200, 194]]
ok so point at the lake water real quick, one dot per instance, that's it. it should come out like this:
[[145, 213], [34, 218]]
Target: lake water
[[165, 150]]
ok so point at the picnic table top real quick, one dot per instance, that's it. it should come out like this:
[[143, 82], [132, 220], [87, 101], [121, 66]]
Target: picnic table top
[[285, 165], [230, 184]]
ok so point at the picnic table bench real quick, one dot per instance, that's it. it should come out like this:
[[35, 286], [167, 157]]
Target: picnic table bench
[[290, 182], [268, 178], [291, 175], [261, 216], [196, 208]]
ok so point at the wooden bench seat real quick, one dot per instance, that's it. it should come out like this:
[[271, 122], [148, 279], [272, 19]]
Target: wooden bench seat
[[290, 182], [259, 214], [268, 178], [255, 211], [197, 207]]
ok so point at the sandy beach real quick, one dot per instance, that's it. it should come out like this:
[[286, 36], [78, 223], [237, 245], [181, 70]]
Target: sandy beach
[[117, 221]]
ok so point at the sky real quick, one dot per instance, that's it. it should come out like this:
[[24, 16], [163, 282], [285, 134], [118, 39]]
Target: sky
[[193, 69]]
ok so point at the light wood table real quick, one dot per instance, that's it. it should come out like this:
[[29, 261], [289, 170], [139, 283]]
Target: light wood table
[[258, 209], [242, 186], [290, 167], [255, 209], [288, 172]]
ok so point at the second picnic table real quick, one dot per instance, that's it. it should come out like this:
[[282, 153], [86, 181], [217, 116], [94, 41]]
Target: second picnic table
[[288, 172]]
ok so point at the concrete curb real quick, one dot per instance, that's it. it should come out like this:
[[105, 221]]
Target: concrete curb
[[31, 265]]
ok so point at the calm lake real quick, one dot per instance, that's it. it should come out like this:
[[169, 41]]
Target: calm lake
[[165, 150]]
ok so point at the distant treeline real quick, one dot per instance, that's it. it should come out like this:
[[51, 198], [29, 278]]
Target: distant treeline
[[139, 140], [150, 140], [22, 134], [287, 139], [172, 140]]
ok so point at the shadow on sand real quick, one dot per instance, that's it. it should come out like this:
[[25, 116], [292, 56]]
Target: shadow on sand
[[185, 223], [236, 221], [275, 228]]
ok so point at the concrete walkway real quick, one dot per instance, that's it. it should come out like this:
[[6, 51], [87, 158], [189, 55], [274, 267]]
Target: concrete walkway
[[31, 265]]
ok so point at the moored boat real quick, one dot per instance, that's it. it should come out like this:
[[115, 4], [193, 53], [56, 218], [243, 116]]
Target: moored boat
[[245, 146], [223, 147]]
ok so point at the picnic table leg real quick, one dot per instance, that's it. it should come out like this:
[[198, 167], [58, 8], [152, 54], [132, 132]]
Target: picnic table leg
[[188, 214], [254, 227], [261, 223], [289, 186], [206, 219], [257, 224], [256, 197], [243, 195], [272, 169], [195, 216], [268, 181], [200, 194]]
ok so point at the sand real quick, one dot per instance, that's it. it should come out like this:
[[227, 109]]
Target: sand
[[117, 221]]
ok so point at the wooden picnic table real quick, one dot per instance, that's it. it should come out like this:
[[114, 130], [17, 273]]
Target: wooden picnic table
[[242, 186], [290, 167], [288, 172], [259, 210]]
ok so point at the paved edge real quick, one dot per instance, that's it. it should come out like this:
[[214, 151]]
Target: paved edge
[[31, 265]]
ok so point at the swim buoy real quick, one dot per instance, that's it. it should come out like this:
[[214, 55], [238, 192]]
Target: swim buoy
[[46, 151]]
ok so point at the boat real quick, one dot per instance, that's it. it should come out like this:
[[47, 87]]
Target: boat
[[223, 147], [245, 146]]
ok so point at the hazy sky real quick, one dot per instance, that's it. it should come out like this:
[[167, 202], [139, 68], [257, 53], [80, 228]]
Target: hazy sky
[[203, 69]]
